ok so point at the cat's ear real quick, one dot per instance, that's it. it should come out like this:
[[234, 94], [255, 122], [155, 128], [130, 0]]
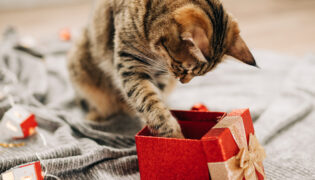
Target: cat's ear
[[240, 51], [197, 37], [195, 29]]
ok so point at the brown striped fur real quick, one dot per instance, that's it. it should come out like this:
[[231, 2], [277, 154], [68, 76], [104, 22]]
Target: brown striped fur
[[130, 54]]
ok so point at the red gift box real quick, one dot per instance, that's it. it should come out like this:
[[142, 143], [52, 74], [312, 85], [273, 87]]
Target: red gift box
[[214, 143]]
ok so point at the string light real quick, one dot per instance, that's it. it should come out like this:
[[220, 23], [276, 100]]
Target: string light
[[7, 94]]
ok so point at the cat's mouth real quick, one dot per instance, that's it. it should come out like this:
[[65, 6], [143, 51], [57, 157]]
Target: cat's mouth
[[185, 78]]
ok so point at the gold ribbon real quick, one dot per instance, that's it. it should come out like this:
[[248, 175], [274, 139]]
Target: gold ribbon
[[246, 162]]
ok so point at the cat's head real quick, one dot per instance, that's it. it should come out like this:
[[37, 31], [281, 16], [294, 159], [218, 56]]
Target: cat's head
[[198, 37]]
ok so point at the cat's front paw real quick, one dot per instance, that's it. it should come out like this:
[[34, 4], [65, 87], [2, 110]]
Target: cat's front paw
[[171, 129], [178, 135]]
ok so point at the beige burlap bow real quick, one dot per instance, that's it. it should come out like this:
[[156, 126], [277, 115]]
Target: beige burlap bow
[[246, 162]]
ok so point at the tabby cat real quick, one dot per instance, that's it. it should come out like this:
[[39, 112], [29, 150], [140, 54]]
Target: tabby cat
[[132, 51]]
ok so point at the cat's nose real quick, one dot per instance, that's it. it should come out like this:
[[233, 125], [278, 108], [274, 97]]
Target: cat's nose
[[186, 78]]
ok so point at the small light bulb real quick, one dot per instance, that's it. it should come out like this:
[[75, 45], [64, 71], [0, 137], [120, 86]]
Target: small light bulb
[[11, 126], [17, 114]]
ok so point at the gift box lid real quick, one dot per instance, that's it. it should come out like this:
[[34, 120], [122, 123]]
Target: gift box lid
[[218, 150]]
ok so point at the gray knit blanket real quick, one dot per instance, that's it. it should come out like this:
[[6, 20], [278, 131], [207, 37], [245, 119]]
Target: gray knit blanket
[[280, 95]]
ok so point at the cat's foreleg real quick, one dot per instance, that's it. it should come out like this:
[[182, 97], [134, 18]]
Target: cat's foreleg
[[142, 94]]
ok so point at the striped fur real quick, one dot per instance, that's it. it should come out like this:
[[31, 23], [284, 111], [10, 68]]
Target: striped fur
[[130, 54]]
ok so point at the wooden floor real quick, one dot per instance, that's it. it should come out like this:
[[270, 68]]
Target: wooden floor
[[281, 25], [286, 26]]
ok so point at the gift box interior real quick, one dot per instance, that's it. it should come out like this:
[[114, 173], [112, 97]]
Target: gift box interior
[[162, 158], [194, 124]]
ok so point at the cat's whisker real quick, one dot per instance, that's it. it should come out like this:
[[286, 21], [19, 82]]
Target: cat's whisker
[[155, 63]]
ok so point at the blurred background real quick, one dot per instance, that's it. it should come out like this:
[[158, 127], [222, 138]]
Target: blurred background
[[281, 95], [284, 26]]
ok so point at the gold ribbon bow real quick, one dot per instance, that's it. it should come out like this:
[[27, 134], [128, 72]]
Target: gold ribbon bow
[[251, 158], [246, 162]]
